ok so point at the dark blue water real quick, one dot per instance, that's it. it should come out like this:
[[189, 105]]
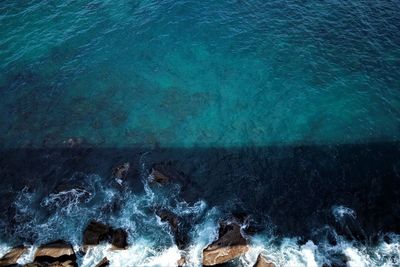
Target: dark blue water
[[285, 110]]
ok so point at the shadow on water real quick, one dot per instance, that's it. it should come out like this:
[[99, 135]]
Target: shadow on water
[[293, 188]]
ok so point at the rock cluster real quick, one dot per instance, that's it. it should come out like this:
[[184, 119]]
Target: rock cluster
[[97, 232], [231, 242]]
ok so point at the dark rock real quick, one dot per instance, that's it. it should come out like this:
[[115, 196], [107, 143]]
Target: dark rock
[[12, 256], [95, 233], [164, 174], [58, 253], [175, 224], [103, 263], [121, 171], [158, 177], [263, 262], [229, 245], [119, 239]]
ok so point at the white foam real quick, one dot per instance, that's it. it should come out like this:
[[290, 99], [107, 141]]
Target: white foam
[[340, 212]]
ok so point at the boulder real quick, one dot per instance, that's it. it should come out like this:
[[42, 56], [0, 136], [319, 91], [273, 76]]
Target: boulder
[[158, 177], [263, 262], [163, 174], [121, 171], [95, 233], [12, 256], [181, 262], [119, 239], [103, 263], [174, 222], [58, 253], [229, 245]]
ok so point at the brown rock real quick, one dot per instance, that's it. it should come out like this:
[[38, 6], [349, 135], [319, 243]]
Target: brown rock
[[103, 263], [229, 245], [263, 262], [119, 237], [58, 253], [181, 262], [121, 171], [95, 233], [12, 256]]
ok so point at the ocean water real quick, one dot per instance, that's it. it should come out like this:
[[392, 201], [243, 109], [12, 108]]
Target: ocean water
[[288, 111]]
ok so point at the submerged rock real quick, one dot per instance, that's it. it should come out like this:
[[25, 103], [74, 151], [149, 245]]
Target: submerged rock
[[174, 222], [229, 245], [58, 253], [121, 171], [263, 262], [95, 233], [119, 239], [103, 263], [163, 174], [158, 177], [12, 256]]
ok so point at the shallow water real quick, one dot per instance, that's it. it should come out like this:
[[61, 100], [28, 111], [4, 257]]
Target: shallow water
[[285, 110]]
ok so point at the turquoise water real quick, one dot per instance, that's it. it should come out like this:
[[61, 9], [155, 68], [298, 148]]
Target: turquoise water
[[199, 73]]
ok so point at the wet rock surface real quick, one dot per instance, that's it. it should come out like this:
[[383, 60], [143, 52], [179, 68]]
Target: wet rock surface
[[230, 245], [103, 263], [181, 262], [263, 262], [12, 256], [95, 233], [163, 174], [177, 226], [121, 171], [57, 253], [119, 239]]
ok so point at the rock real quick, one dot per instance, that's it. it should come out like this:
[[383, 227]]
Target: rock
[[103, 263], [119, 237], [229, 245], [121, 171], [12, 256], [263, 262], [181, 262], [58, 253], [95, 233], [158, 177], [163, 174], [174, 222]]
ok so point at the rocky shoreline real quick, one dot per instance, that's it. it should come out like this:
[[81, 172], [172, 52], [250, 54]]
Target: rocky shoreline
[[231, 243]]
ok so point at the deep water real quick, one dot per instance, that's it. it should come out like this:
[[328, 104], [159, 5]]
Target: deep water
[[288, 111]]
